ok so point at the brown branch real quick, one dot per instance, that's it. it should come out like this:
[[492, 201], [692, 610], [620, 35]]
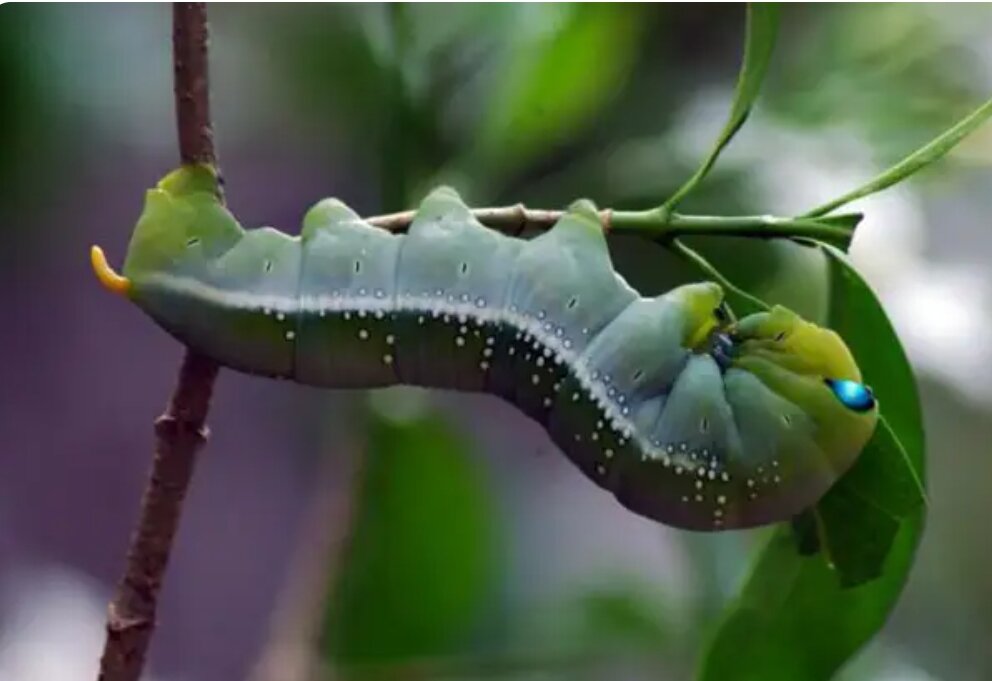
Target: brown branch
[[189, 63], [181, 431], [511, 219]]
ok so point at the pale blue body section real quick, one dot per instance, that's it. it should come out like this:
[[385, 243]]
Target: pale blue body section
[[453, 273], [347, 330]]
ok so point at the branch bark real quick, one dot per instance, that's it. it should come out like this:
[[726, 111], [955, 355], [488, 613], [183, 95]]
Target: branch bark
[[181, 431]]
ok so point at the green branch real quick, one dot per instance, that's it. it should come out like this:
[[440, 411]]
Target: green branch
[[655, 223]]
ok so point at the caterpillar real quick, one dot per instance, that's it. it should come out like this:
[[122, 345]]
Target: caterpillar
[[686, 415]]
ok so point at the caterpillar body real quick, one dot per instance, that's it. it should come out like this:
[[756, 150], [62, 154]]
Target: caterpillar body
[[685, 415]]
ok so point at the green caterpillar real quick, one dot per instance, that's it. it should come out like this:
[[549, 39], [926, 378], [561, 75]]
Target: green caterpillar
[[686, 416]]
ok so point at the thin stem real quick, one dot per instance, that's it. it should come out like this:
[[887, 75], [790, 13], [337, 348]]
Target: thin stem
[[181, 431], [697, 261], [655, 223], [916, 161]]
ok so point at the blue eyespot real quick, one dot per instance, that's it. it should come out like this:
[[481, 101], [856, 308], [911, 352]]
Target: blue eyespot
[[853, 395]]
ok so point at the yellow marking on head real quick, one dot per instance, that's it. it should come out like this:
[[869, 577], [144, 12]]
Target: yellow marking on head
[[112, 281]]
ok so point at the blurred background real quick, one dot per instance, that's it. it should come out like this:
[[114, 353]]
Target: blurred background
[[449, 535]]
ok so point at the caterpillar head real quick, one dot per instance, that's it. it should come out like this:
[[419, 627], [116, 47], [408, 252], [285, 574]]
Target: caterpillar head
[[811, 367]]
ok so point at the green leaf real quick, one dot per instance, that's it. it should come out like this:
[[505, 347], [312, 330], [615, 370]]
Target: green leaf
[[422, 559], [792, 622], [916, 161], [759, 41], [799, 617]]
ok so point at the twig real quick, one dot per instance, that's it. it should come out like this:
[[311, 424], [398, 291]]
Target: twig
[[653, 223], [180, 431]]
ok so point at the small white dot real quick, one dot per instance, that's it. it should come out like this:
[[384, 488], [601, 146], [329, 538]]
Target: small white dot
[[575, 397], [547, 402], [387, 359], [490, 340], [290, 335], [535, 379], [601, 469], [608, 453], [459, 341], [699, 484], [347, 316], [390, 339], [280, 316], [595, 435], [363, 314], [718, 513], [699, 497], [721, 499], [363, 334], [484, 365]]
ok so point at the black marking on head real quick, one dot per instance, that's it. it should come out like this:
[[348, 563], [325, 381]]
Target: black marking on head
[[722, 313], [638, 375], [193, 241], [358, 266], [463, 268], [572, 302], [268, 265]]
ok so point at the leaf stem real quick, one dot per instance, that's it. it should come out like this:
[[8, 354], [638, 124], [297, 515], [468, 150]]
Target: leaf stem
[[914, 162], [696, 260]]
